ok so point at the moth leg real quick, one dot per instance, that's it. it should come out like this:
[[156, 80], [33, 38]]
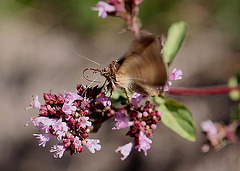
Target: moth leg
[[109, 88], [127, 92], [111, 92]]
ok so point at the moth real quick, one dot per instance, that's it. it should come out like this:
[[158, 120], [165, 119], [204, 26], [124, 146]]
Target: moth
[[141, 69]]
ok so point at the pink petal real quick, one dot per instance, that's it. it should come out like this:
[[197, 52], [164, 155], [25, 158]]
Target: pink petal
[[84, 122], [209, 127], [144, 143], [92, 145], [77, 142], [104, 100], [125, 150], [35, 103], [103, 8], [43, 138], [136, 98], [58, 150]]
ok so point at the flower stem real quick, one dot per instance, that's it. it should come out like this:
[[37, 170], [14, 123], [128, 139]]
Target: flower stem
[[202, 90]]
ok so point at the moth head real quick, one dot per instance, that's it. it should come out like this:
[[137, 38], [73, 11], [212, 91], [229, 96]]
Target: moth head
[[109, 72]]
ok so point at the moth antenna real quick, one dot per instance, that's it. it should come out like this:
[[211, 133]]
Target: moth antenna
[[95, 70], [89, 60]]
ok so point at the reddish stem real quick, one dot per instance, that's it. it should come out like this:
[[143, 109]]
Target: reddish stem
[[202, 90]]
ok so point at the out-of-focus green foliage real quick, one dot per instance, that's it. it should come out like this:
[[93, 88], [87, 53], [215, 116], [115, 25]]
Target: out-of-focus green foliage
[[227, 14], [154, 14], [9, 7], [234, 81], [235, 113], [159, 14], [75, 12]]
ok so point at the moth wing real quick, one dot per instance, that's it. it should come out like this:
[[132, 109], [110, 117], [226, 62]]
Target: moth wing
[[142, 67], [144, 89]]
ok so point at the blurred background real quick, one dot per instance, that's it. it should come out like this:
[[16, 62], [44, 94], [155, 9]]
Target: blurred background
[[39, 40]]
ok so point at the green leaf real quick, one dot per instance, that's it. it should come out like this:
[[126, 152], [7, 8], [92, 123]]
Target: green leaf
[[175, 36], [179, 118], [159, 100], [117, 96]]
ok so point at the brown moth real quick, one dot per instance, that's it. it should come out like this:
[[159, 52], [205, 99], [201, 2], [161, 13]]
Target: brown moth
[[141, 69]]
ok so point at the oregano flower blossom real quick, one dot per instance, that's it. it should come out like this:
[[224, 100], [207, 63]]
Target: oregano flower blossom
[[218, 134], [126, 10], [58, 150], [125, 150], [103, 8], [175, 75], [92, 145], [43, 138], [143, 121], [70, 118], [35, 103]]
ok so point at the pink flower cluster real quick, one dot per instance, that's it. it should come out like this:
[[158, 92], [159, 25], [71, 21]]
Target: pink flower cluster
[[175, 75], [70, 118], [125, 9], [218, 134], [103, 8], [142, 122]]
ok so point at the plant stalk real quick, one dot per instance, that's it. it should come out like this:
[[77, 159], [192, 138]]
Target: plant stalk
[[202, 90]]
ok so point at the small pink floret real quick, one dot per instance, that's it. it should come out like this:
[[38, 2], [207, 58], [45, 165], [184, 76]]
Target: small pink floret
[[153, 126], [84, 122], [60, 128], [85, 102], [58, 150], [35, 103], [72, 96], [121, 121], [209, 127], [92, 145], [176, 74], [103, 8], [77, 143], [104, 100], [68, 108], [144, 143], [145, 114], [166, 87], [43, 138], [136, 98], [125, 150]]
